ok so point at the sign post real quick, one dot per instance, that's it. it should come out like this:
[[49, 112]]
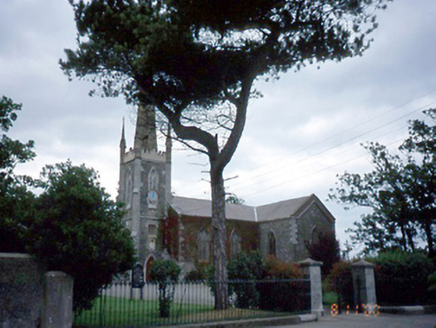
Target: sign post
[[137, 278]]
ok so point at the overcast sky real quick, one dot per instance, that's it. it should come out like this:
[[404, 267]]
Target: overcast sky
[[306, 129]]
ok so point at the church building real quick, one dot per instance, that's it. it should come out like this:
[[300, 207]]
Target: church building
[[167, 226]]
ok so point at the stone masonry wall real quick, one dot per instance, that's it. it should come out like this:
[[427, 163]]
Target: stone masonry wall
[[310, 224], [285, 235], [21, 288]]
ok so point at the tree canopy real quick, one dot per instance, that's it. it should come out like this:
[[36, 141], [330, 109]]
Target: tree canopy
[[76, 228], [185, 57], [14, 196], [400, 191]]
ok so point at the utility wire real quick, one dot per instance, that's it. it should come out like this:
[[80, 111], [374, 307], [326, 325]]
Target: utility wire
[[240, 181]]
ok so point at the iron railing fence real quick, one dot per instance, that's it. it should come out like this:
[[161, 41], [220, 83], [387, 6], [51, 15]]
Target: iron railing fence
[[406, 290], [120, 305]]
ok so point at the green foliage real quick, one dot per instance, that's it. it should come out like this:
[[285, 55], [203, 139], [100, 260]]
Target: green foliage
[[400, 191], [341, 280], [244, 270], [402, 278], [278, 291], [146, 50], [15, 199], [200, 273], [432, 281], [246, 266], [326, 250], [233, 199], [153, 46], [165, 273], [276, 269], [265, 284], [77, 229]]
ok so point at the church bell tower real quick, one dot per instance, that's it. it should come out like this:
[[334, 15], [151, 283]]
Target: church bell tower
[[145, 184]]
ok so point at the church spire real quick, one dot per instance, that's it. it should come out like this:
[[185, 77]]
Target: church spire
[[145, 135], [123, 138], [122, 144]]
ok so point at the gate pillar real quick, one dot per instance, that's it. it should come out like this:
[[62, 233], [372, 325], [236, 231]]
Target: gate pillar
[[363, 283], [312, 269]]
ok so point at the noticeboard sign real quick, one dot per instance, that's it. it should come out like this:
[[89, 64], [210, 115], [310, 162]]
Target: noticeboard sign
[[138, 276]]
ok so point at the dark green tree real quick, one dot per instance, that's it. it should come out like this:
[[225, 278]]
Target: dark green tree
[[15, 199], [166, 274], [421, 173], [233, 199], [400, 191], [186, 58], [77, 229], [325, 249]]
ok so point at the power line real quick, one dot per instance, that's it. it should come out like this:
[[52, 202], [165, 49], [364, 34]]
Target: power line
[[332, 147], [240, 181]]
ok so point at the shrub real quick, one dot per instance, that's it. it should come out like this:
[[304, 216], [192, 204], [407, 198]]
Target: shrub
[[274, 268], [200, 273], [402, 278], [76, 228], [342, 282], [326, 250], [279, 291], [245, 270], [165, 273]]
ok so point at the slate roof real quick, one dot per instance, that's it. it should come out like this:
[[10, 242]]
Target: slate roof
[[281, 210], [202, 208]]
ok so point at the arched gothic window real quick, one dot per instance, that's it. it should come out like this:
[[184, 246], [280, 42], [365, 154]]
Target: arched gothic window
[[203, 244], [129, 187], [271, 243], [316, 234], [153, 179], [153, 185], [235, 244], [152, 235]]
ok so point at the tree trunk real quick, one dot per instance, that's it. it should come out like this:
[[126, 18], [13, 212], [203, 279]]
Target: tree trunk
[[428, 232], [219, 238], [403, 240]]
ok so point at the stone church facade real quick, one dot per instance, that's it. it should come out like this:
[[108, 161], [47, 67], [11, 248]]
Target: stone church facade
[[166, 226]]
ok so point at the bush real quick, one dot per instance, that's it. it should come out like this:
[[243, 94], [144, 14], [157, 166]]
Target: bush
[[402, 278], [278, 291], [76, 228], [200, 273], [342, 282], [326, 250], [245, 270], [165, 273]]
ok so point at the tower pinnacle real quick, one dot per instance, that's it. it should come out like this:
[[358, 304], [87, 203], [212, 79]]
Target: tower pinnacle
[[145, 136]]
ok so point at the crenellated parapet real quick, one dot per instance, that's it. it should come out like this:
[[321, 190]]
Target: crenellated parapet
[[149, 155]]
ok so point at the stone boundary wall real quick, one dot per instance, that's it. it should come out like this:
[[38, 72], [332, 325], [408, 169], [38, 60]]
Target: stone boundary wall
[[21, 289], [30, 297]]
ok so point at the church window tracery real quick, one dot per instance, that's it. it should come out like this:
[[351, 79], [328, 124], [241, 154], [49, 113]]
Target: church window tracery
[[129, 187], [153, 179], [271, 244], [203, 244], [235, 244]]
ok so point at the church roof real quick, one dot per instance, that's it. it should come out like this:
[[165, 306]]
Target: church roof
[[202, 208], [281, 210]]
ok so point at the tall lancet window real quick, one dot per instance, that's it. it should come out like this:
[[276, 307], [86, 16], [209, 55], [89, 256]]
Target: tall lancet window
[[235, 244], [203, 244], [153, 187], [128, 187], [271, 243]]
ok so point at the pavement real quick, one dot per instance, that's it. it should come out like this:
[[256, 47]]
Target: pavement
[[362, 321]]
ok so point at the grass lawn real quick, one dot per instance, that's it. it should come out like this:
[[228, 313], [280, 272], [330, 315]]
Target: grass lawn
[[112, 311], [328, 298]]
